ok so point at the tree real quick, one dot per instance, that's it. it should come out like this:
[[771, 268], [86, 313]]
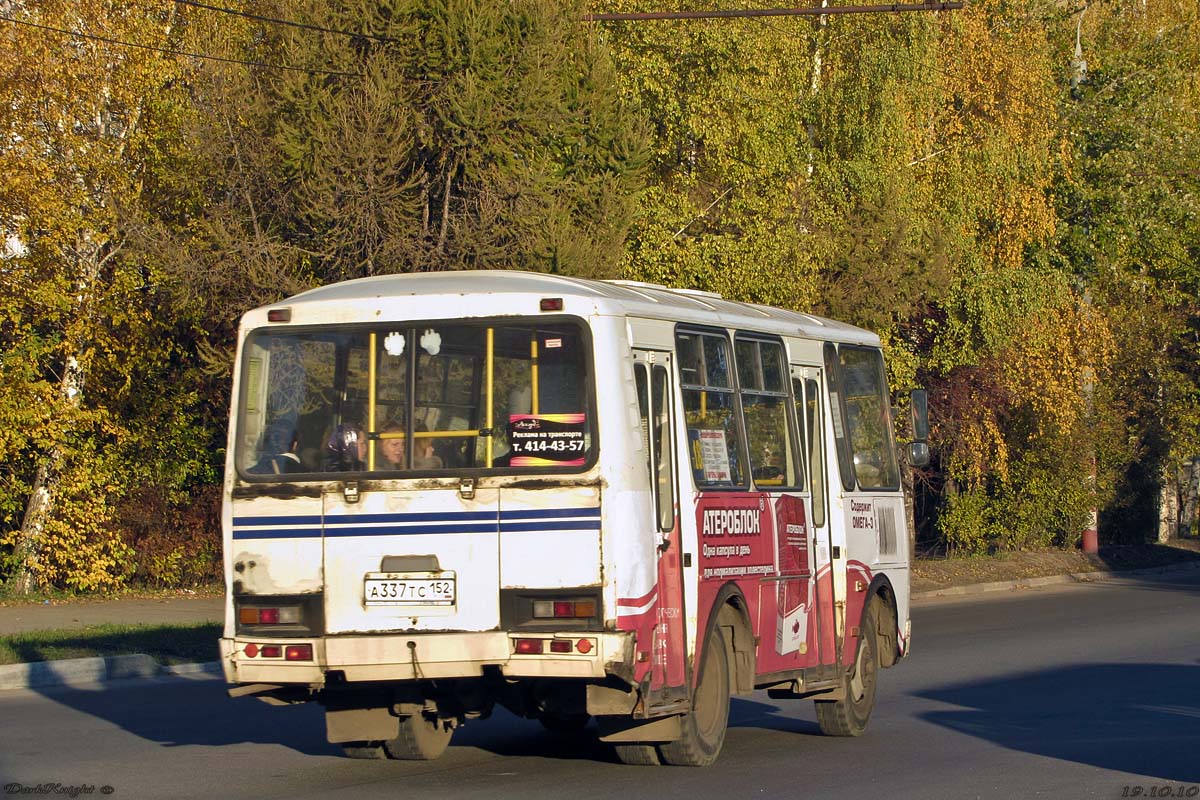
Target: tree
[[1126, 197], [78, 323]]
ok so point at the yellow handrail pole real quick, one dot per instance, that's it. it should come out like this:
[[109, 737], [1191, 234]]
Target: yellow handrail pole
[[371, 401], [533, 355], [487, 447]]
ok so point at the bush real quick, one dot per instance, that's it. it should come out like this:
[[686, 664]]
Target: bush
[[178, 544], [965, 523]]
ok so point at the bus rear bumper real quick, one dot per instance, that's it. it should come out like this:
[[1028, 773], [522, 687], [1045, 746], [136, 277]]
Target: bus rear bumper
[[424, 656]]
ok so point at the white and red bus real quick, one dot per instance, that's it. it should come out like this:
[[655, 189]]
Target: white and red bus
[[576, 499]]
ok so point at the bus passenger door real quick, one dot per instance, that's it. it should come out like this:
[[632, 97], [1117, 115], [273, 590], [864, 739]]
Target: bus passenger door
[[652, 373], [807, 390]]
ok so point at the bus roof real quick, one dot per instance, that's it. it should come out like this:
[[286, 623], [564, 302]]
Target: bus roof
[[580, 296]]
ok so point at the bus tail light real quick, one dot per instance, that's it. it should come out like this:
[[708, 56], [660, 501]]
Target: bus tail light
[[276, 615], [564, 609], [298, 652], [529, 647], [292, 652]]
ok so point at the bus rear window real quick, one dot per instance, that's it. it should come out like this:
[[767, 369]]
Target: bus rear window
[[431, 398]]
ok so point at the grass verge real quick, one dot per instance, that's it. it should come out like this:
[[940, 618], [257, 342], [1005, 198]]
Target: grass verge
[[167, 644]]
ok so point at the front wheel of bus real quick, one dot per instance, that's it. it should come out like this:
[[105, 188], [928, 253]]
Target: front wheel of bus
[[849, 717], [420, 739], [704, 726]]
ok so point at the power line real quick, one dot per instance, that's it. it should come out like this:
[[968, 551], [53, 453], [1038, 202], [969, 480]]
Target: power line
[[814, 11], [170, 51], [278, 21]]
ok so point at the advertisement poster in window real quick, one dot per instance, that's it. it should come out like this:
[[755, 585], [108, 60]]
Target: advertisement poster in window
[[546, 440]]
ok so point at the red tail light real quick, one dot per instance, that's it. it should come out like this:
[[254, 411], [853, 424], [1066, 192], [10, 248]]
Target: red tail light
[[560, 646], [530, 647], [564, 609], [298, 652]]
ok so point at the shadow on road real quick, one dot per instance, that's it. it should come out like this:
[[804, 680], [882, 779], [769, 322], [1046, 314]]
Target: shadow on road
[[1137, 718], [198, 713], [180, 712]]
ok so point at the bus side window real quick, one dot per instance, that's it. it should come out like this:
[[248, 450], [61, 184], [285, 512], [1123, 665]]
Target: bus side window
[[868, 418], [808, 409], [765, 410], [664, 452], [709, 409], [653, 396]]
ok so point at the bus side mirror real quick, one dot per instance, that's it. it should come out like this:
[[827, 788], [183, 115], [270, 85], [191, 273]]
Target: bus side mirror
[[918, 448]]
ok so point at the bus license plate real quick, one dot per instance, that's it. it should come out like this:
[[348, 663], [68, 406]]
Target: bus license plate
[[391, 589]]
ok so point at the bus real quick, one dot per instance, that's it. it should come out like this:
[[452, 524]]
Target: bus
[[603, 505]]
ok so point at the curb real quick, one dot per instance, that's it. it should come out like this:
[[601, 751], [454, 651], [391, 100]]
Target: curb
[[72, 671], [1052, 580]]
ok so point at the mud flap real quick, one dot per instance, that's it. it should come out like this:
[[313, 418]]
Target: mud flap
[[626, 729]]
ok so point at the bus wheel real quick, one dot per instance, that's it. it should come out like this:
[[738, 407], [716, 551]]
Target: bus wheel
[[704, 726], [849, 717], [637, 755], [364, 750], [420, 739]]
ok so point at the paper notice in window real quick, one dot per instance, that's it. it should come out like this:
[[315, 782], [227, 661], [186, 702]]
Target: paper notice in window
[[715, 456]]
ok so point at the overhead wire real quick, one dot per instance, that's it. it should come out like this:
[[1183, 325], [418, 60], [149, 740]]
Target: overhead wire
[[288, 22], [172, 51]]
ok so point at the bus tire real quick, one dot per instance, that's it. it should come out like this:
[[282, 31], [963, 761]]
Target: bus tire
[[704, 726], [637, 755], [367, 750], [849, 716], [420, 739]]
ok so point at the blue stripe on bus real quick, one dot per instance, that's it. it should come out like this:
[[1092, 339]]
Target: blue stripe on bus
[[570, 525], [424, 516], [542, 513], [239, 522], [279, 533], [409, 530], [408, 524]]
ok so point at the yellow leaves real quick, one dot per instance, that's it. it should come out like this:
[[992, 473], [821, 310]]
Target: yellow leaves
[[80, 547], [1052, 365]]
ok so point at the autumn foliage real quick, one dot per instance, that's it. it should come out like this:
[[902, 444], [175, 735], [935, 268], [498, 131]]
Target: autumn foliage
[[1014, 216]]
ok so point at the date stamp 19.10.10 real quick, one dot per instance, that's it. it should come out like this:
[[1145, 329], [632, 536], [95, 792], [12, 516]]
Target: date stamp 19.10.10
[[1162, 790]]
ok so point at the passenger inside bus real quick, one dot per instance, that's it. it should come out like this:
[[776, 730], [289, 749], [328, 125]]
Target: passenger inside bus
[[394, 449], [346, 450], [279, 451]]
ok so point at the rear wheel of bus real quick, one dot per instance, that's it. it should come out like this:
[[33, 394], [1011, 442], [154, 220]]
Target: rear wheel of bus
[[704, 726], [420, 739], [849, 716]]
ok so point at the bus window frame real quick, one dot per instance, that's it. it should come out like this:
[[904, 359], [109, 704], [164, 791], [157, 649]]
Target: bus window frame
[[414, 327], [734, 389], [843, 445], [798, 469]]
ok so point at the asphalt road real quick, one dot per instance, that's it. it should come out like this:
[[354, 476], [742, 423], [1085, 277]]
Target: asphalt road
[[1082, 691]]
